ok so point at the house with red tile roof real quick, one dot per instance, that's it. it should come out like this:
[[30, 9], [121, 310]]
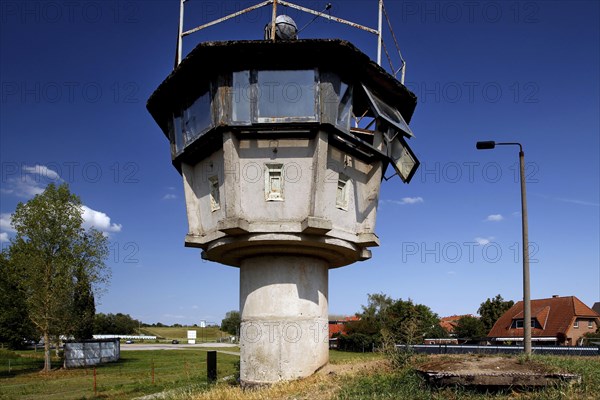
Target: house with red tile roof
[[449, 323], [556, 320], [339, 326]]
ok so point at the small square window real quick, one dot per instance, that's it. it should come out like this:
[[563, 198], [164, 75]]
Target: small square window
[[213, 183], [341, 197], [274, 182], [590, 324], [576, 324]]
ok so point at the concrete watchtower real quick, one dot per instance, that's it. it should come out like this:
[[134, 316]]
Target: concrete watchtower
[[279, 183]]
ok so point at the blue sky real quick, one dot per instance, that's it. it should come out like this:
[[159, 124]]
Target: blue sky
[[75, 78]]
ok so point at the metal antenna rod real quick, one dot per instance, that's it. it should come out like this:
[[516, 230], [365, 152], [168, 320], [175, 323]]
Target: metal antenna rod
[[179, 35], [327, 7], [379, 32], [273, 18]]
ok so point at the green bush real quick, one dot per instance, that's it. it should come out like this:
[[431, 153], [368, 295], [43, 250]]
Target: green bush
[[358, 342]]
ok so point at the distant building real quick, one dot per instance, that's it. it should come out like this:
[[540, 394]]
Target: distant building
[[441, 341], [596, 307], [449, 323], [339, 326], [556, 320]]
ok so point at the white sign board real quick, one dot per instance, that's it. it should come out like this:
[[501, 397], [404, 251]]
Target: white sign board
[[202, 324], [191, 337]]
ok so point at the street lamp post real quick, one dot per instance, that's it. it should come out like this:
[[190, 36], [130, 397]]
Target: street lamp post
[[525, 232]]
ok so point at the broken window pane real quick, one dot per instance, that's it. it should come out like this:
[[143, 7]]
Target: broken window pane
[[345, 107], [403, 160], [388, 113]]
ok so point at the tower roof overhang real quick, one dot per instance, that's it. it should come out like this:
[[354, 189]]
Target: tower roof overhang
[[208, 59]]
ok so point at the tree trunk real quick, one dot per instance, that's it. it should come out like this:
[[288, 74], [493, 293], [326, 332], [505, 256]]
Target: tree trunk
[[57, 347], [47, 363]]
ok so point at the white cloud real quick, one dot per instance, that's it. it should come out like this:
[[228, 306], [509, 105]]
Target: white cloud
[[483, 241], [412, 200], [25, 186], [494, 217], [405, 200], [169, 196], [98, 220], [42, 171], [3, 237], [91, 218], [32, 181], [5, 222], [579, 202]]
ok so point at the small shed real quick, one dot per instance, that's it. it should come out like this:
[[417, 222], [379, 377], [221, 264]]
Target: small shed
[[91, 352]]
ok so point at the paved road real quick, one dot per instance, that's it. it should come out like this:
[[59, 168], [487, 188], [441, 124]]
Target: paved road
[[181, 346]]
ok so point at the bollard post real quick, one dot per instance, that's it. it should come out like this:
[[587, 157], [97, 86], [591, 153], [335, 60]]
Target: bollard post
[[153, 372], [211, 366]]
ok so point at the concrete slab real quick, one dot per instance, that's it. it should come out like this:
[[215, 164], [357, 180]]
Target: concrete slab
[[492, 372]]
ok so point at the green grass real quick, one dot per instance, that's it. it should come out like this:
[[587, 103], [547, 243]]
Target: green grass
[[129, 378], [202, 334], [184, 372], [406, 384]]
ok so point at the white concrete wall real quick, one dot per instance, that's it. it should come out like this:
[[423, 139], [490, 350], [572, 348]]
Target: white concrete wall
[[311, 168], [201, 218], [284, 310]]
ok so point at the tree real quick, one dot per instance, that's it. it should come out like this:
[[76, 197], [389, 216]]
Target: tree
[[469, 327], [48, 252], [84, 307], [116, 324], [409, 323], [15, 327], [492, 309], [231, 322], [388, 321], [438, 332]]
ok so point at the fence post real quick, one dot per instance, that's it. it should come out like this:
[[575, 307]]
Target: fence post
[[211, 366], [95, 387], [153, 371]]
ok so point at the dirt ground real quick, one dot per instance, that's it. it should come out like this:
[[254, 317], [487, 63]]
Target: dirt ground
[[480, 365], [491, 372], [352, 368]]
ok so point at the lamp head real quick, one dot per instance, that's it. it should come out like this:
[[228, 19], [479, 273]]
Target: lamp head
[[486, 145]]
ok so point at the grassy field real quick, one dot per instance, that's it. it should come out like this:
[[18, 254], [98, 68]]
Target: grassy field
[[375, 379], [182, 375], [131, 377], [202, 334]]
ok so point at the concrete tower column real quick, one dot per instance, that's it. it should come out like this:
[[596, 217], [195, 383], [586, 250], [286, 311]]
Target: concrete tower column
[[284, 311]]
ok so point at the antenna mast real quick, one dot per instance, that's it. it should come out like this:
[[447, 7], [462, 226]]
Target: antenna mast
[[378, 32]]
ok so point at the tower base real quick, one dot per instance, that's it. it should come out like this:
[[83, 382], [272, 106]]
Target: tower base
[[284, 310]]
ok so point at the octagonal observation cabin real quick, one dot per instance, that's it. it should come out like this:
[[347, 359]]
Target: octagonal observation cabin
[[282, 146]]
